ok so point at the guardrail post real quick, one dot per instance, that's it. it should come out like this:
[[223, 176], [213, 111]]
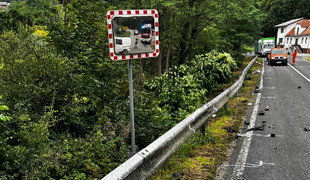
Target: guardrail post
[[226, 105], [202, 128]]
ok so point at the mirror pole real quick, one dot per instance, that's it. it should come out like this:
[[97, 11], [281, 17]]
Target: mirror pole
[[133, 141]]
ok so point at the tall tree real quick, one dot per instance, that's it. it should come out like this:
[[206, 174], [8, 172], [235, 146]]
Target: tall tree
[[243, 25], [279, 11]]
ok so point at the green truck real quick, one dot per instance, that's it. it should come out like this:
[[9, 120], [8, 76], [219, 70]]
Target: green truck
[[263, 46]]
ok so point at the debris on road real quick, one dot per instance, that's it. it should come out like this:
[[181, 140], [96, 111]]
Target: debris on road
[[229, 129], [257, 89], [299, 87], [256, 71], [258, 135], [247, 123], [263, 121], [241, 135], [261, 112], [305, 129], [177, 175], [267, 108], [257, 128], [244, 101], [250, 104]]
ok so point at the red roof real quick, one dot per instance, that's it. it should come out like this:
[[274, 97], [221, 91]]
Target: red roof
[[291, 33], [306, 32], [4, 7], [304, 23]]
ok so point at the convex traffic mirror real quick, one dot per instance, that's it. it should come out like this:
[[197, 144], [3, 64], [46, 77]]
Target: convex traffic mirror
[[133, 34]]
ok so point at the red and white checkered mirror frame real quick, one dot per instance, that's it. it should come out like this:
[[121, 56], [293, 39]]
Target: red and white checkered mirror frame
[[120, 13]]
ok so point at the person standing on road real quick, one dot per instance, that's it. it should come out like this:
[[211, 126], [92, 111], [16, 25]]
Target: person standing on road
[[294, 56], [136, 42]]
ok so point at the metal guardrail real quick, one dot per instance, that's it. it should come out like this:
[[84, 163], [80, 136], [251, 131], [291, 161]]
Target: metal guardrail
[[143, 164]]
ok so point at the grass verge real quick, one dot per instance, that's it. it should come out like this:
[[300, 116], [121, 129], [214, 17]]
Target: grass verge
[[200, 156]]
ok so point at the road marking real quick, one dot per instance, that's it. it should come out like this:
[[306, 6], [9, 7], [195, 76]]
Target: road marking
[[259, 164], [268, 97], [259, 135], [270, 87], [243, 155], [299, 73]]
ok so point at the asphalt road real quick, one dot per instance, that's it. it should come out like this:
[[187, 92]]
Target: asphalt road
[[287, 155], [140, 47]]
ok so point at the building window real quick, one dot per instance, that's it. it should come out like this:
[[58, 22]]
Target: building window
[[297, 31], [290, 40], [282, 30], [280, 40], [302, 40], [286, 40], [306, 40]]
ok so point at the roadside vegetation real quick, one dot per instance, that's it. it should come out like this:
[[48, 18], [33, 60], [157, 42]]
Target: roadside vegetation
[[200, 156], [64, 111]]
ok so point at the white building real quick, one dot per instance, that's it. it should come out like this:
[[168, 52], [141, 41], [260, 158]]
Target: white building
[[294, 34], [4, 5]]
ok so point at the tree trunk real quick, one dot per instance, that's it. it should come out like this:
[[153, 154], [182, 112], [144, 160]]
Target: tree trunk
[[183, 46], [167, 58], [193, 39], [157, 65]]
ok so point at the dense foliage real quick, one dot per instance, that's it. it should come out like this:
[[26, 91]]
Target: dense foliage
[[279, 11], [64, 107]]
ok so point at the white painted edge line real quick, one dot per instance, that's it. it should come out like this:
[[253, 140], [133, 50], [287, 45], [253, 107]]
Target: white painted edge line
[[241, 161], [299, 73], [243, 155]]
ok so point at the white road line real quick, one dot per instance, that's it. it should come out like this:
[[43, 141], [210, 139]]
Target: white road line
[[270, 87], [299, 73], [260, 163], [258, 135], [243, 155], [268, 97]]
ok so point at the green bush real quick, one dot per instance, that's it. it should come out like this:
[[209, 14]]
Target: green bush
[[185, 87], [59, 126], [179, 92]]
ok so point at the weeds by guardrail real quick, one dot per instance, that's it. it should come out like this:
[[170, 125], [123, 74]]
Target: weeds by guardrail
[[148, 160]]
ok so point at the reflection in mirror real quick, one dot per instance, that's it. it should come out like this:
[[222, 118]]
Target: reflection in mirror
[[133, 35]]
